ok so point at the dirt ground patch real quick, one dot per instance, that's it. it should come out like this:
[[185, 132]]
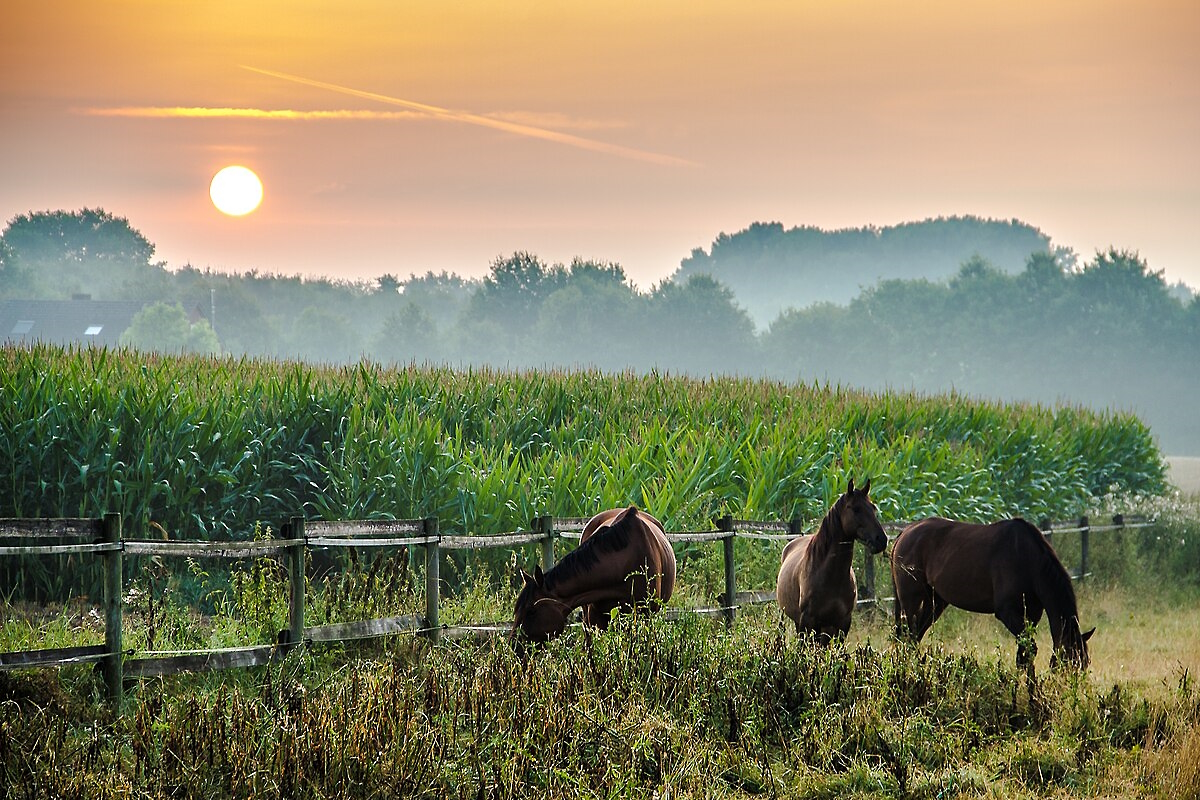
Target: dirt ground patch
[[1184, 472]]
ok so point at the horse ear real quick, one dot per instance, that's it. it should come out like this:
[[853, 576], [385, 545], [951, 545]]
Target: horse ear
[[528, 579], [538, 577], [850, 488], [866, 489], [1088, 634]]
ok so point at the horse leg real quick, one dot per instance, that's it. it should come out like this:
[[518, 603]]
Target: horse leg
[[928, 608], [1013, 613], [598, 615], [913, 609]]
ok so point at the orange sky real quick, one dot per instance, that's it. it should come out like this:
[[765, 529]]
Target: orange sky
[[619, 131]]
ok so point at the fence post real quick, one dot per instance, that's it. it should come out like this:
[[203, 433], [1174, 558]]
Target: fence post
[[725, 523], [294, 530], [433, 580], [113, 585], [1085, 531], [546, 526], [867, 590]]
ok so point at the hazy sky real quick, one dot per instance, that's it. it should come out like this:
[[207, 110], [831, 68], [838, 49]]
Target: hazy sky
[[399, 137]]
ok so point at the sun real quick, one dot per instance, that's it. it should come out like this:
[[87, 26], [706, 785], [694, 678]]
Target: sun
[[236, 191]]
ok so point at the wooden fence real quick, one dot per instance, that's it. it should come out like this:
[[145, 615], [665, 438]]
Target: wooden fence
[[103, 538]]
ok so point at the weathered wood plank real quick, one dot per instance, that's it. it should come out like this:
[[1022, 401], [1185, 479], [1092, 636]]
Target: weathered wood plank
[[56, 549], [402, 541], [260, 547], [753, 597], [761, 525], [349, 529], [363, 629], [576, 524], [475, 632], [698, 536], [766, 537], [37, 527], [52, 657], [502, 540], [201, 661]]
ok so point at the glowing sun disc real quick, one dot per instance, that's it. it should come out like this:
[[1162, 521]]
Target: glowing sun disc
[[236, 191]]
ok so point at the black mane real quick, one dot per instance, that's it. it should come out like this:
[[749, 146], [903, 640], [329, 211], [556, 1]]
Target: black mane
[[583, 558]]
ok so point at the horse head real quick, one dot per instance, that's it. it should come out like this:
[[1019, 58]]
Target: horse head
[[538, 614], [859, 517], [1072, 645]]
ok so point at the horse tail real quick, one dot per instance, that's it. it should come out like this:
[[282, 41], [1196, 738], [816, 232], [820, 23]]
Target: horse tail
[[896, 616]]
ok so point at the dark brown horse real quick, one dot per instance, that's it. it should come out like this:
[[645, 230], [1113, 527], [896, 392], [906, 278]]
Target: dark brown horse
[[623, 558], [1006, 568], [816, 586]]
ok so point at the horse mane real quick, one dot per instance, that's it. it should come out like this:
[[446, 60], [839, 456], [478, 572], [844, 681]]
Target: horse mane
[[580, 560], [824, 538]]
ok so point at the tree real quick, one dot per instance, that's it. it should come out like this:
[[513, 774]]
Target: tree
[[389, 284], [165, 328], [595, 318], [696, 327], [409, 334], [495, 326], [63, 252], [323, 336]]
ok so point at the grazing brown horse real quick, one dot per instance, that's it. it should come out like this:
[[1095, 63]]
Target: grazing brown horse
[[816, 586], [1006, 568], [623, 558]]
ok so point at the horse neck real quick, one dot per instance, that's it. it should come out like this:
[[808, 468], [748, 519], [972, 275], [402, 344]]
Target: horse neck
[[1058, 599], [830, 542], [567, 582]]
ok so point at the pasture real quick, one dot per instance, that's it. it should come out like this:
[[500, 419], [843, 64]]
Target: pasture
[[650, 708]]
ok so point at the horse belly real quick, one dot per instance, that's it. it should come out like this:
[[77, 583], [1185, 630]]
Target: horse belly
[[965, 589]]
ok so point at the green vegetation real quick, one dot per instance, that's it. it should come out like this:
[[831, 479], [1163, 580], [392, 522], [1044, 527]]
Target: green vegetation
[[210, 447], [198, 446], [771, 268], [651, 707]]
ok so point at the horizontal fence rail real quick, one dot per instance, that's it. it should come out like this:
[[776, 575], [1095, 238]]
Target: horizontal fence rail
[[298, 536]]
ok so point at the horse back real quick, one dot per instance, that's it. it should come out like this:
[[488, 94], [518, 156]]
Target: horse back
[[970, 565], [648, 550]]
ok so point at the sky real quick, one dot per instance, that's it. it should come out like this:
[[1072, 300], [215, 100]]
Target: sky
[[397, 137]]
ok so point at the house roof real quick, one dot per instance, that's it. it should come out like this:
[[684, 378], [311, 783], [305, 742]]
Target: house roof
[[80, 320]]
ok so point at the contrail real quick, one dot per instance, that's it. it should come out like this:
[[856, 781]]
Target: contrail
[[170, 112], [487, 122]]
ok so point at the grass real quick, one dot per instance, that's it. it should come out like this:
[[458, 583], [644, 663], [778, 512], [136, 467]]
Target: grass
[[650, 709], [647, 710]]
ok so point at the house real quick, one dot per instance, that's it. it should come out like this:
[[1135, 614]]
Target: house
[[80, 320]]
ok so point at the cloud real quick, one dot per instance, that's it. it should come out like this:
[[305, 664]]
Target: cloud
[[494, 122], [193, 112], [554, 119]]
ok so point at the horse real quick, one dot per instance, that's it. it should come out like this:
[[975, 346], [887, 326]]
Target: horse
[[816, 586], [1005, 568], [623, 559]]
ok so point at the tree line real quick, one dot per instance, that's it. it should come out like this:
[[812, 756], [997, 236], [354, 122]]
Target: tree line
[[1108, 332]]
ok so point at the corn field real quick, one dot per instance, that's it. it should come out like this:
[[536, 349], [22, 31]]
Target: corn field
[[199, 447]]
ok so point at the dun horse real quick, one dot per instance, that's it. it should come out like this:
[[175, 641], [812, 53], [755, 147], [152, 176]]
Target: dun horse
[[816, 586], [1006, 568], [623, 558]]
